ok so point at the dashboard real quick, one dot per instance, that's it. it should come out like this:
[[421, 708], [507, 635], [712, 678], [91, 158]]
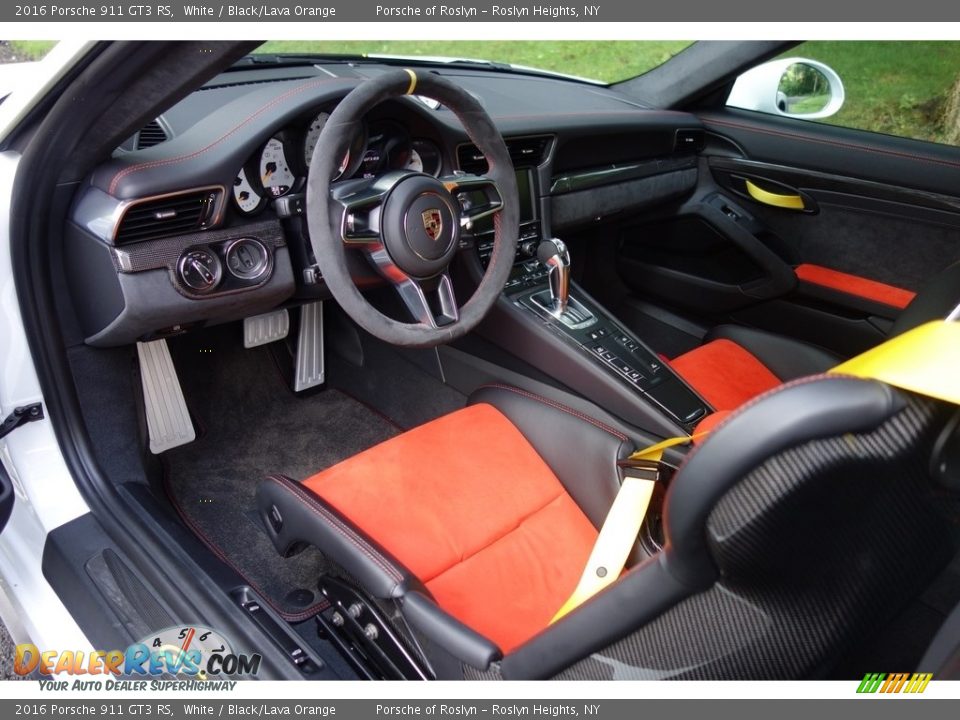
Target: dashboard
[[206, 222]]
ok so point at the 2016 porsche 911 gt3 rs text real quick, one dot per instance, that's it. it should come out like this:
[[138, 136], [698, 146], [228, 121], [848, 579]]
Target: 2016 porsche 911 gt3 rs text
[[362, 367]]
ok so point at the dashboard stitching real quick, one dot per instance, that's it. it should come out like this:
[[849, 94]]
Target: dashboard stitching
[[639, 112], [171, 161], [836, 143]]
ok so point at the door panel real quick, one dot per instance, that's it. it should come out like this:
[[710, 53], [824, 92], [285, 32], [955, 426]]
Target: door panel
[[878, 216]]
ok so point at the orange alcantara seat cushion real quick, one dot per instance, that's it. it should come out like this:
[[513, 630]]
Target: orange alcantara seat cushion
[[725, 374], [475, 513]]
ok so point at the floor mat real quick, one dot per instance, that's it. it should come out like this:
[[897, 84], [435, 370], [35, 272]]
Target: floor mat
[[249, 425]]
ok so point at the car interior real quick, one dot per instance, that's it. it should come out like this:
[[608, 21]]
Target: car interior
[[365, 348]]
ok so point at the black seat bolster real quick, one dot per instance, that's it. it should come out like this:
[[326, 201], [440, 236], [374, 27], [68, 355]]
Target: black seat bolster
[[786, 358], [581, 451], [438, 626], [294, 516], [810, 409]]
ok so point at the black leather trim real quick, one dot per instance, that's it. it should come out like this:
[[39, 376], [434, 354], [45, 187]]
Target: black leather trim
[[938, 298], [809, 409], [643, 594], [842, 151], [786, 358], [307, 519], [581, 451], [453, 636]]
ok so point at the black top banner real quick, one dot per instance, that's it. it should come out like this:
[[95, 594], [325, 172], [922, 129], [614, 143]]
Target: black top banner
[[473, 12]]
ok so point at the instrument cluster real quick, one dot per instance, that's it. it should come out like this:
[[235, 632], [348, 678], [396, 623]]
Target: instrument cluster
[[280, 165]]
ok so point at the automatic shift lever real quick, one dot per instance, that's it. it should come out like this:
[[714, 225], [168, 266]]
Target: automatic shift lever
[[554, 254]]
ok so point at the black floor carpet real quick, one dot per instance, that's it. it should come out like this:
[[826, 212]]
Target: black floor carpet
[[249, 425]]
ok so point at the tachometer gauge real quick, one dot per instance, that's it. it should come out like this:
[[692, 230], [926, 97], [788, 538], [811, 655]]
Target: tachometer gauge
[[310, 143], [430, 157], [414, 161], [247, 199], [275, 174]]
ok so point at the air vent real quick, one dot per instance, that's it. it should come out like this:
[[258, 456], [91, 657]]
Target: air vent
[[151, 134], [178, 214], [524, 152]]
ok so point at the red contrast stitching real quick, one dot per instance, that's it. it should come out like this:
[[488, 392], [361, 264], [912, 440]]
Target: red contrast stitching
[[563, 408], [323, 604], [347, 532], [835, 143], [172, 161]]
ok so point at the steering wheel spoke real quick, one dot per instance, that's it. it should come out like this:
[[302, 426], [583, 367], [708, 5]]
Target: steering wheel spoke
[[478, 195], [431, 301], [359, 203]]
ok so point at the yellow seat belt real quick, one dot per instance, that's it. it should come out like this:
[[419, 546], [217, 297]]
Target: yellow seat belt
[[925, 360], [620, 528]]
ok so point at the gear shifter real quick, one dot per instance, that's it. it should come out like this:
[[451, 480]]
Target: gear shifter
[[554, 254]]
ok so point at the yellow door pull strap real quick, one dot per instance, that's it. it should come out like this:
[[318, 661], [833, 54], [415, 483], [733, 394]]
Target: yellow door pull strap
[[925, 360], [790, 202], [614, 542]]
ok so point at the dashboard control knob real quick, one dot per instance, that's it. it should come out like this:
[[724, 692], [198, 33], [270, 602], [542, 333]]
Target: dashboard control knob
[[200, 269], [247, 259]]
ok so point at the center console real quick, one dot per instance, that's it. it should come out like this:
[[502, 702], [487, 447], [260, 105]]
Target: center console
[[554, 325]]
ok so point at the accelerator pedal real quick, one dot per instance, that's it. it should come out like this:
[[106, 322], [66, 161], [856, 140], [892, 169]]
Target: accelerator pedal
[[309, 371], [168, 421], [267, 328]]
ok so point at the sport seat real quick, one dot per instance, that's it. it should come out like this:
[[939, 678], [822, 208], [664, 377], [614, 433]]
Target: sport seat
[[791, 532], [735, 364]]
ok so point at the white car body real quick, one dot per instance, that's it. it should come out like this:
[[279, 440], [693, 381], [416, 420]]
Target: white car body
[[46, 495]]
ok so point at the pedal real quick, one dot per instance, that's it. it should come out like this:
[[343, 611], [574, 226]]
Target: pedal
[[309, 370], [267, 328], [168, 421]]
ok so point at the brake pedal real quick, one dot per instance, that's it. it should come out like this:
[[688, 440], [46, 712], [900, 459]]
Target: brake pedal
[[309, 371], [267, 328], [168, 421]]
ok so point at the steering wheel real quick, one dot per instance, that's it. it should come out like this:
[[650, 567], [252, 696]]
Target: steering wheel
[[408, 223]]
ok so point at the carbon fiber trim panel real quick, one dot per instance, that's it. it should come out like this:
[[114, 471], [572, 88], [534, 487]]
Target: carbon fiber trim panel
[[164, 253], [817, 548]]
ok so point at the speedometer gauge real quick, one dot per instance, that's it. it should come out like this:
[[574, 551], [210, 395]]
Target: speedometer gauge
[[247, 199], [275, 174]]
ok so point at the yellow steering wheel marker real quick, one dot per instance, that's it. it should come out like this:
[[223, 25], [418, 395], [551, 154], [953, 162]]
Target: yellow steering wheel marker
[[413, 81]]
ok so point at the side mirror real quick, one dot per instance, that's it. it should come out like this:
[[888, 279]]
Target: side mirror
[[792, 87]]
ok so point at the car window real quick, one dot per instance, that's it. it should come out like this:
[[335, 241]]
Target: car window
[[605, 61], [18, 51], [905, 88]]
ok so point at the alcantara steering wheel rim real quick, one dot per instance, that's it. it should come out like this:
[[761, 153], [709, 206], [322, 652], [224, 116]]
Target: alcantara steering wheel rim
[[409, 223]]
